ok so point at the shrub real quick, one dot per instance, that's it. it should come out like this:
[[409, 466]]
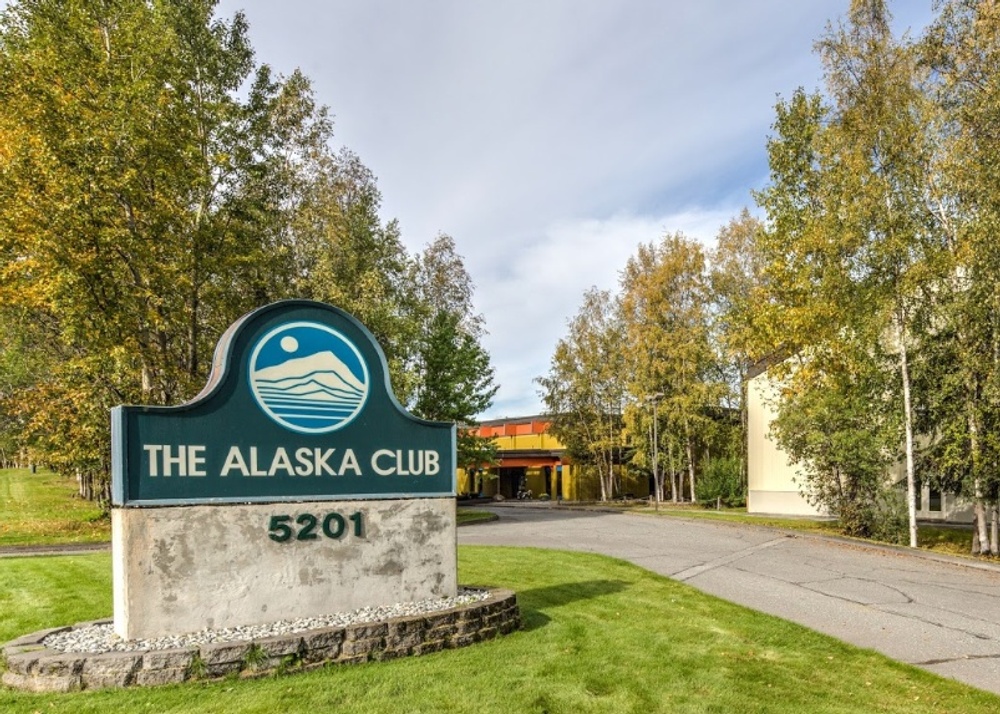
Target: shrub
[[722, 481]]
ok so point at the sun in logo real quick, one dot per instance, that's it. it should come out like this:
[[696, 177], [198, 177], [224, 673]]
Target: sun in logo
[[308, 377]]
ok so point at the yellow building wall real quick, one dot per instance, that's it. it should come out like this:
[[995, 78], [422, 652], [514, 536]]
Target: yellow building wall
[[464, 482], [578, 483], [526, 442], [488, 483]]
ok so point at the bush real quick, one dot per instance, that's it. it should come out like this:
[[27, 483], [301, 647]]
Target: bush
[[722, 481], [881, 516]]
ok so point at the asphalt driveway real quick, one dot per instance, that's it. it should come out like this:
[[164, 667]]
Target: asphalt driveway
[[933, 612]]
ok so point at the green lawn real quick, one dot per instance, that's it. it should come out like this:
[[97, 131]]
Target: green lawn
[[43, 508], [601, 636], [474, 515]]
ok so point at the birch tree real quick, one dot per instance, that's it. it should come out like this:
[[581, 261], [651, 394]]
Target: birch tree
[[962, 373], [736, 279], [879, 169], [346, 255], [584, 392], [665, 301], [854, 254]]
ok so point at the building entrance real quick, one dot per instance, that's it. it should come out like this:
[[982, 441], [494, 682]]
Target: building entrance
[[511, 481]]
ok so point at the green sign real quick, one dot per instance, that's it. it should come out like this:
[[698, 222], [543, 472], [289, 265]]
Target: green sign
[[298, 407]]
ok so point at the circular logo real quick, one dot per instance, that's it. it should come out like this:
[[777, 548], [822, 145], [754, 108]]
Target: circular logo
[[308, 377]]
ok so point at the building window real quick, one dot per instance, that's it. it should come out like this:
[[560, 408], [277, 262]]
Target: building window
[[934, 502]]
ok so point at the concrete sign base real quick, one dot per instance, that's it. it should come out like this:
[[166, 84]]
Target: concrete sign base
[[182, 569]]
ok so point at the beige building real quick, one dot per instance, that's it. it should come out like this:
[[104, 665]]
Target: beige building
[[772, 486], [771, 478]]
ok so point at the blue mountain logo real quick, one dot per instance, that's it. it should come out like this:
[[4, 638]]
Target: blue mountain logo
[[308, 377]]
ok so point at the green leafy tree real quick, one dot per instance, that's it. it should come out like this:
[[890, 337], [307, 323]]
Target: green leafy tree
[[456, 386], [347, 257], [670, 356], [849, 236], [736, 280], [146, 168], [843, 438], [878, 170], [722, 482], [23, 356], [585, 390], [455, 377], [961, 369]]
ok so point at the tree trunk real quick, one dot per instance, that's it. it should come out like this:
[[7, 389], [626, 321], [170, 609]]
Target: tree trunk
[[911, 486], [673, 475], [981, 532], [694, 499], [982, 525], [85, 482], [995, 528], [981, 529], [690, 458], [146, 379], [193, 328], [657, 476], [608, 456]]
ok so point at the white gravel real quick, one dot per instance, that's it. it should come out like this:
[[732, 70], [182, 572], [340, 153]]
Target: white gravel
[[96, 639]]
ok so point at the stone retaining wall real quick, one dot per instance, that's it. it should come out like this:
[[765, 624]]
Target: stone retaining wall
[[33, 667]]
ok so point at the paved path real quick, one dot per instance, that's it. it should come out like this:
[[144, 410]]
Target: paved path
[[936, 614]]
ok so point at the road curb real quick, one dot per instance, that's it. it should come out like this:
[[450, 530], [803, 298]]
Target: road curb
[[26, 551]]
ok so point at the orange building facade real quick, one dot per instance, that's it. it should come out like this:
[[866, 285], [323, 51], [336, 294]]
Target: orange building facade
[[532, 460]]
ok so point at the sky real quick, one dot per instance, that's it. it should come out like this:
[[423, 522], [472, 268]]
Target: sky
[[550, 138]]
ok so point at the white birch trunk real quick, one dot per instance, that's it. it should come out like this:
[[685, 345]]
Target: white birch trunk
[[995, 528], [690, 455], [981, 526], [981, 536], [911, 500], [673, 475]]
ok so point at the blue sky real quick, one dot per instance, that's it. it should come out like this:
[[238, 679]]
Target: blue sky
[[550, 137]]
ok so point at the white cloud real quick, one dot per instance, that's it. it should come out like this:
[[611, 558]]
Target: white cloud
[[541, 287], [550, 137]]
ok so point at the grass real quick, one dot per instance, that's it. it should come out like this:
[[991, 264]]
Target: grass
[[739, 515], [600, 635], [953, 541], [474, 515], [950, 540], [43, 509], [42, 592]]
